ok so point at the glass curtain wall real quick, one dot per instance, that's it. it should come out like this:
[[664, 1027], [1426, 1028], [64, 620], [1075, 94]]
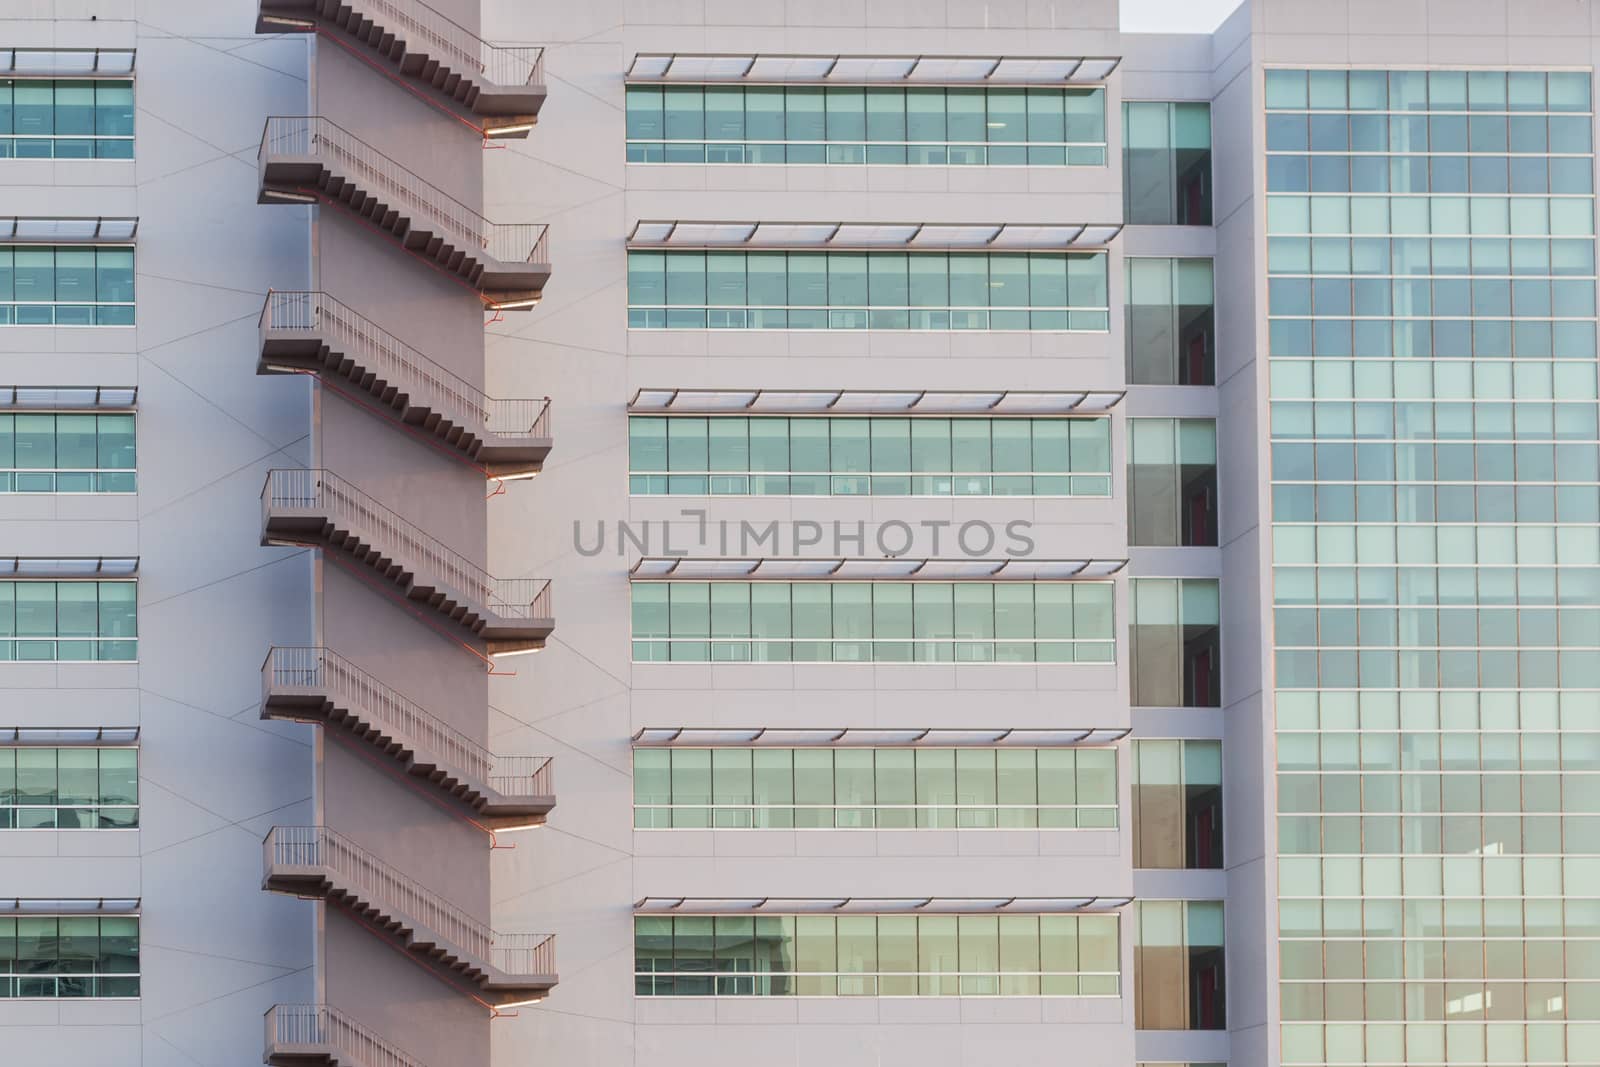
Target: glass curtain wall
[[870, 455], [45, 118], [1171, 321], [1035, 291], [866, 789], [69, 788], [876, 124], [876, 956], [884, 622], [1166, 163], [1436, 568]]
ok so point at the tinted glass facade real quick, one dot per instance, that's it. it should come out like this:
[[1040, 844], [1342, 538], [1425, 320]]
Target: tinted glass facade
[[66, 285], [874, 124], [863, 788], [868, 291], [77, 788], [69, 620], [62, 453], [1432, 331], [44, 118], [864, 622], [876, 956], [69, 956], [875, 456]]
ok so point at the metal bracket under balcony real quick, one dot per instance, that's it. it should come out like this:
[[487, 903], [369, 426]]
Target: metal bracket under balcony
[[319, 509], [502, 970], [499, 89], [313, 332], [309, 160], [319, 686]]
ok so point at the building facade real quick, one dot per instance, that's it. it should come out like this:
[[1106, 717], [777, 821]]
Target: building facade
[[1067, 542]]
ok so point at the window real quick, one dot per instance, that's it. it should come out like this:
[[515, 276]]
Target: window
[[1178, 965], [69, 621], [1172, 481], [1171, 322], [865, 622], [1166, 163], [66, 285], [876, 955], [863, 788], [1177, 804], [48, 956], [61, 453], [873, 124], [869, 455], [1176, 643], [61, 119], [739, 290], [68, 788]]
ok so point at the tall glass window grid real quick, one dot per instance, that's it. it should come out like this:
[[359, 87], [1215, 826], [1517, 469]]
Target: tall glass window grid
[[50, 452], [1172, 482], [1435, 710], [69, 956], [69, 620], [1177, 804], [1179, 965], [59, 118], [866, 125], [866, 789], [1171, 329], [73, 788], [875, 455], [1166, 163], [861, 290], [1176, 642], [877, 955], [866, 622], [66, 285]]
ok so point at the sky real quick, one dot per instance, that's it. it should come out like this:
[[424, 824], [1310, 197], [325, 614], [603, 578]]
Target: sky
[[1175, 16]]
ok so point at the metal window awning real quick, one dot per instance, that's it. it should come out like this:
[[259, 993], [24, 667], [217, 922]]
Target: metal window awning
[[74, 906], [779, 737], [70, 62], [53, 398], [874, 401], [873, 905], [758, 68], [17, 229], [69, 567], [836, 569], [928, 236], [91, 735]]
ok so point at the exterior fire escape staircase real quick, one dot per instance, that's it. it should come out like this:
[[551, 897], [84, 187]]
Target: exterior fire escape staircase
[[310, 160], [320, 686], [500, 969], [313, 332], [499, 90], [318, 509]]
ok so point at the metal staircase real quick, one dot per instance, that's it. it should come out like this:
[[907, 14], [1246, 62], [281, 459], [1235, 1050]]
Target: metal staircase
[[500, 90], [315, 1035], [311, 331], [310, 160], [320, 686], [318, 509], [500, 969]]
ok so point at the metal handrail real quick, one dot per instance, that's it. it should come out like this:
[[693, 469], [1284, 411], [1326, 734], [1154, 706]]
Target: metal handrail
[[383, 886], [301, 1025], [415, 22], [328, 673], [426, 382], [315, 489], [315, 137]]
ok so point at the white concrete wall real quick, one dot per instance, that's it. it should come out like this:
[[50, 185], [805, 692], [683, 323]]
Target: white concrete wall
[[582, 699], [216, 951]]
